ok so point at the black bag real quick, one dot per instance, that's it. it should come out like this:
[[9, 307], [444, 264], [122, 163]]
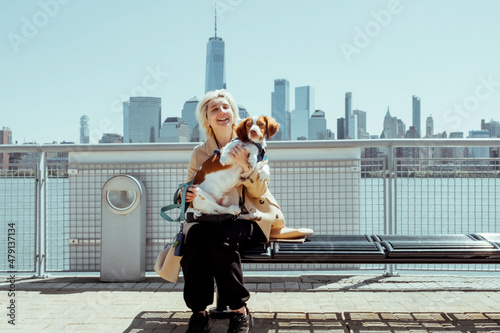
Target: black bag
[[209, 218]]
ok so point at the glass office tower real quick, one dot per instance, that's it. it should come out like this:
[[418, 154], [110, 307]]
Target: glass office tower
[[280, 108], [304, 106], [347, 115], [141, 119], [189, 114], [215, 75], [317, 126], [84, 129], [416, 113]]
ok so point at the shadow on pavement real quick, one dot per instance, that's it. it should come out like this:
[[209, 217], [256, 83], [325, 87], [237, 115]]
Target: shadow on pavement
[[312, 283], [154, 321]]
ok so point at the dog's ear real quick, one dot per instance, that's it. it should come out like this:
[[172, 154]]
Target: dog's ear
[[241, 130], [272, 126]]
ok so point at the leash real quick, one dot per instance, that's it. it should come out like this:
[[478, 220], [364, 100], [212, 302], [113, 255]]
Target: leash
[[175, 205]]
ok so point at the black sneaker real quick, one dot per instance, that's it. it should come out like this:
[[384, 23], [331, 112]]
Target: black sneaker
[[198, 323], [240, 323]]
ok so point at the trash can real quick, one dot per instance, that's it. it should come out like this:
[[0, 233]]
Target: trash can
[[123, 230]]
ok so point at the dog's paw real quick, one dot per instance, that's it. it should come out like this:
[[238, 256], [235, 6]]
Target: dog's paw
[[252, 216], [225, 159], [234, 210], [264, 173], [256, 216]]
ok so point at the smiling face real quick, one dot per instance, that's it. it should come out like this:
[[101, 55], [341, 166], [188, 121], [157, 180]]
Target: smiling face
[[220, 116], [203, 111]]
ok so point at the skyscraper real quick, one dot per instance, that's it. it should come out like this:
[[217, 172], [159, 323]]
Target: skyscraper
[[458, 152], [416, 114], [111, 138], [429, 127], [304, 104], [493, 127], [215, 74], [401, 129], [412, 133], [340, 128], [413, 152], [189, 114], [174, 129], [242, 112], [479, 152], [390, 126], [126, 117], [353, 126], [317, 126], [347, 116], [141, 119], [361, 128], [280, 108], [84, 129], [5, 139]]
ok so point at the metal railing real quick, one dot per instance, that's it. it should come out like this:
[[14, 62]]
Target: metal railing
[[53, 196]]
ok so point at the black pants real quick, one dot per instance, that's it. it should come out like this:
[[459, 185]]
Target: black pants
[[212, 251]]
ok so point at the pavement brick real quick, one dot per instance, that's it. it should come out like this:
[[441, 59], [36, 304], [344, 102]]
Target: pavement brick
[[277, 286], [291, 286], [264, 286], [316, 303]]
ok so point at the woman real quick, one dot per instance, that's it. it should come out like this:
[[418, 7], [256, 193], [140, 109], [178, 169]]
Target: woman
[[212, 247]]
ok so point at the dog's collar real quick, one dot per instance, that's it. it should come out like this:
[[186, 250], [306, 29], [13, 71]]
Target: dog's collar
[[262, 152]]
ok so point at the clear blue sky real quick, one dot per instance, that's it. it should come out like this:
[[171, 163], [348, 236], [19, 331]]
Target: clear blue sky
[[60, 60]]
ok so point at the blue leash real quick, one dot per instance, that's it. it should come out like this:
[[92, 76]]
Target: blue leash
[[175, 205]]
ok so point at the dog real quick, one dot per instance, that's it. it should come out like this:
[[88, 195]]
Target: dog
[[219, 176]]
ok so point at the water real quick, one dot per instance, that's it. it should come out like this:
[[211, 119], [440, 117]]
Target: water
[[447, 205]]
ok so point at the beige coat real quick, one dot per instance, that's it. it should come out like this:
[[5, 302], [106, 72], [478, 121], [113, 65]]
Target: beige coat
[[257, 195]]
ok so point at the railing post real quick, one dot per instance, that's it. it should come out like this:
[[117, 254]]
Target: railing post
[[390, 165], [390, 227], [40, 221]]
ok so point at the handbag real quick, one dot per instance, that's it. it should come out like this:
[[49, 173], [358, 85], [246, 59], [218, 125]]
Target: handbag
[[168, 265], [168, 262]]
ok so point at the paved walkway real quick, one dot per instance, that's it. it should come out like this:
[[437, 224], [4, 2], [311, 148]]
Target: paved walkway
[[312, 303]]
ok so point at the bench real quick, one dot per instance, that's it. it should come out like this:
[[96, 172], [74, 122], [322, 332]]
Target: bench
[[480, 248], [477, 248]]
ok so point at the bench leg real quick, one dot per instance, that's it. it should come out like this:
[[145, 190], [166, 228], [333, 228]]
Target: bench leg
[[221, 310]]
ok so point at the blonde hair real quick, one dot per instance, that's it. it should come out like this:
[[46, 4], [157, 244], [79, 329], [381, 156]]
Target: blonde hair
[[202, 108]]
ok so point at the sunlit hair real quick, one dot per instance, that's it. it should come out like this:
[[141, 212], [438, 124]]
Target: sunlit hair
[[202, 108]]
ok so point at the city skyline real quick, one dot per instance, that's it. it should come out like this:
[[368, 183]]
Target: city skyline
[[57, 67]]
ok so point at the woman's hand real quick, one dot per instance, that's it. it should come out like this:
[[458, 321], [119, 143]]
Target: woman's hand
[[240, 156], [190, 194]]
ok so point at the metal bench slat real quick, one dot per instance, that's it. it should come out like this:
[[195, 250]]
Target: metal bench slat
[[328, 248], [490, 237], [437, 248]]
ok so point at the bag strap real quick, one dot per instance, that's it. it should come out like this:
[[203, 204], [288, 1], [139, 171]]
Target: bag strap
[[184, 187], [242, 203]]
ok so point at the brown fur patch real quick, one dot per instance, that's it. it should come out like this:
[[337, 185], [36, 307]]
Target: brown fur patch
[[241, 130], [272, 126], [209, 166]]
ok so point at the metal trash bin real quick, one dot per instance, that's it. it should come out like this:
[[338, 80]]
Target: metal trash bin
[[123, 230]]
